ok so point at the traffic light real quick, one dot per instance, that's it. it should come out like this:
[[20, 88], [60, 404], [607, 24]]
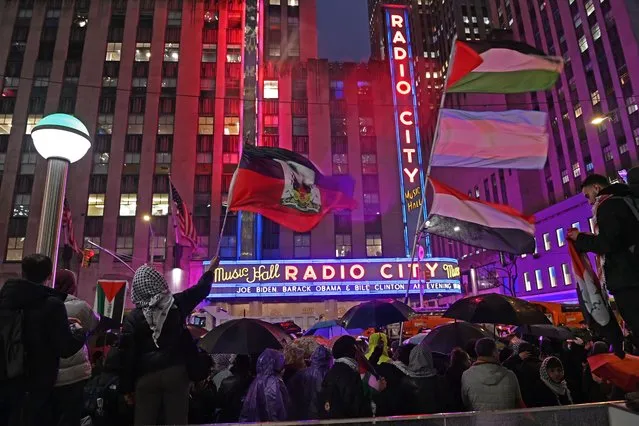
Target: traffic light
[[87, 257]]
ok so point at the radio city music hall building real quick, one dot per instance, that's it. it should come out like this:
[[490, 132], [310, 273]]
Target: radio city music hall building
[[177, 87]]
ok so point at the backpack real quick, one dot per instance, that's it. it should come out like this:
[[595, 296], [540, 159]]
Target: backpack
[[12, 350], [101, 397]]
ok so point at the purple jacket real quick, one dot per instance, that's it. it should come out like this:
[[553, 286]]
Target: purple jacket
[[267, 399], [306, 385]]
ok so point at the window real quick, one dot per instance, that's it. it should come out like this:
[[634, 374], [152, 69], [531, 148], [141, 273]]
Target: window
[[271, 89], [374, 245], [594, 97], [366, 126], [165, 124], [5, 123], [566, 272], [232, 126], [369, 164], [302, 246], [158, 248], [565, 178], [142, 52], [128, 204], [553, 276], [527, 281], [300, 126], [596, 32], [21, 204], [576, 226], [577, 21], [293, 2], [124, 247], [209, 52], [203, 149], [160, 205], [136, 124], [631, 105], [113, 52], [32, 120], [607, 152], [139, 82], [15, 245], [578, 111], [271, 125], [343, 245], [340, 164], [171, 52], [486, 20], [576, 170], [583, 44], [337, 89], [95, 205], [547, 241], [590, 8], [205, 126], [539, 279], [233, 54]]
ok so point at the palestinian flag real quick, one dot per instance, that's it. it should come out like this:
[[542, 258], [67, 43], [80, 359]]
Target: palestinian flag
[[478, 223], [513, 139], [501, 66], [109, 299], [287, 188]]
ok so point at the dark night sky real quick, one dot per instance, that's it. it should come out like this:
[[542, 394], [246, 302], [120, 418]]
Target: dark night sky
[[342, 27]]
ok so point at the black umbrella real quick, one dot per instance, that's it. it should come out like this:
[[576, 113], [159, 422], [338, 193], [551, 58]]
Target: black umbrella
[[242, 336], [496, 308], [446, 337], [376, 313], [546, 330]]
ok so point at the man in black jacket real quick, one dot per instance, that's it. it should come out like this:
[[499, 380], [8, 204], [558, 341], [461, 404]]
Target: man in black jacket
[[46, 336], [617, 240]]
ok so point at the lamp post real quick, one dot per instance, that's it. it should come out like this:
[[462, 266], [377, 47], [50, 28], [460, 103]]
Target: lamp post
[[599, 119], [61, 139], [147, 219]]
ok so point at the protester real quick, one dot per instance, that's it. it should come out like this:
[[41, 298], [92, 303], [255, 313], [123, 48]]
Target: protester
[[157, 347], [293, 361], [202, 400], [525, 363], [342, 394], [267, 399], [552, 374], [459, 362], [377, 349], [222, 364], [233, 389], [486, 385], [389, 401], [75, 370], [616, 242], [44, 337], [423, 391], [306, 385]]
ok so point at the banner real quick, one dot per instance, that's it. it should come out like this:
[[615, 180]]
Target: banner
[[109, 298]]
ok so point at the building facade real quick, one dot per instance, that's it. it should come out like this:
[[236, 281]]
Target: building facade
[[170, 90]]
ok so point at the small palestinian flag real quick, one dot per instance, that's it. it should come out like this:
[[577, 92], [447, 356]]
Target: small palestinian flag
[[109, 299], [287, 188], [514, 139], [501, 66], [478, 223]]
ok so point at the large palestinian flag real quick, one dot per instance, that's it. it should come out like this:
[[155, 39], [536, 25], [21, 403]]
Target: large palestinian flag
[[109, 299], [514, 139], [287, 188], [478, 223], [501, 66]]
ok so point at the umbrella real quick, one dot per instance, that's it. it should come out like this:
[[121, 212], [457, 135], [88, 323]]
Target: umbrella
[[496, 308], [330, 329], [289, 327], [446, 337], [546, 330], [376, 313], [416, 339], [243, 336], [623, 373], [196, 332]]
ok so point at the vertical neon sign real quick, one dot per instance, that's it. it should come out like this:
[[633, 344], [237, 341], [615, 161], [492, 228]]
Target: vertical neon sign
[[409, 150]]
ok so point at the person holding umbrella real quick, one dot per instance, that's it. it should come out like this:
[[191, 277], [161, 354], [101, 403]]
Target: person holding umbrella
[[233, 389], [156, 347], [423, 390]]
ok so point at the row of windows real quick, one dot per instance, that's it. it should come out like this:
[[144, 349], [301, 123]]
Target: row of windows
[[561, 236], [540, 280]]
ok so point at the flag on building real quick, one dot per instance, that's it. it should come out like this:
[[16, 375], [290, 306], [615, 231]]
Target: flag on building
[[593, 299], [287, 188], [478, 223], [109, 299], [68, 234], [514, 139], [501, 66], [183, 220]]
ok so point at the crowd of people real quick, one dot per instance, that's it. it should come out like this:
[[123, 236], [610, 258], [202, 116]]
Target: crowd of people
[[149, 375]]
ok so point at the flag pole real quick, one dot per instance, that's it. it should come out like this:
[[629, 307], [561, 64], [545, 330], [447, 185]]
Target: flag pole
[[226, 213], [113, 255], [175, 226], [419, 231]]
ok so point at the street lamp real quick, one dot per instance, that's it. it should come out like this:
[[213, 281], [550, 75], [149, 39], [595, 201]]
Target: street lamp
[[599, 119], [147, 219], [61, 139]]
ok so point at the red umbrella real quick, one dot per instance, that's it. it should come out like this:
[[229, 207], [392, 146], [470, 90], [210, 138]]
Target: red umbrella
[[623, 373]]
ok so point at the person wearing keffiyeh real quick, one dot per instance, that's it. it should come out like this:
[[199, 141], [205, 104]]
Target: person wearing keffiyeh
[[552, 375], [155, 346]]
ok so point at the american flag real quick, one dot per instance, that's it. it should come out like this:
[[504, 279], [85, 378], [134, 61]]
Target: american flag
[[68, 235], [183, 217]]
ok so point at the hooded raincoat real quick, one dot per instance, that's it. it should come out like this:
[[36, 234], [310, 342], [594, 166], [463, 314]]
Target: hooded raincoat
[[306, 385], [423, 390], [374, 341], [267, 399]]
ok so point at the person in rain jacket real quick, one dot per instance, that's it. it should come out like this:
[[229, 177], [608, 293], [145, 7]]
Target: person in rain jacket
[[552, 375], [305, 386], [486, 385], [423, 391], [154, 346], [342, 395], [378, 349], [75, 370], [389, 401], [459, 362], [233, 390], [267, 399]]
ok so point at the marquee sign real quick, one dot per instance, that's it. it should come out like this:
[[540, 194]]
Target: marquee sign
[[409, 150], [346, 278]]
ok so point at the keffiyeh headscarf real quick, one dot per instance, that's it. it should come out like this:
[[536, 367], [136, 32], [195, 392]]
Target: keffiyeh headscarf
[[151, 293], [557, 388]]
